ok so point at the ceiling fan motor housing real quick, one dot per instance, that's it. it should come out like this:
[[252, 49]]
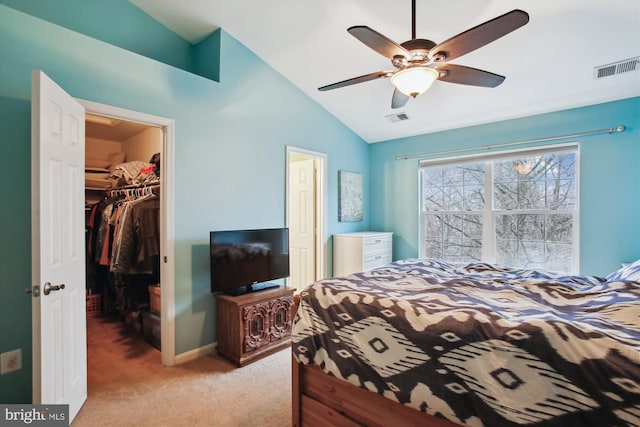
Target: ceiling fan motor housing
[[422, 44], [419, 51]]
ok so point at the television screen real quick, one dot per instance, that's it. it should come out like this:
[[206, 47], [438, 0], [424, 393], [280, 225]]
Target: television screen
[[243, 258]]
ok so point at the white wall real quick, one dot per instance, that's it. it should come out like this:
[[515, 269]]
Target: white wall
[[143, 145], [101, 148], [139, 147]]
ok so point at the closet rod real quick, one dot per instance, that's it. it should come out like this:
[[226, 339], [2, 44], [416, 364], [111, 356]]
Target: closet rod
[[114, 192], [619, 128]]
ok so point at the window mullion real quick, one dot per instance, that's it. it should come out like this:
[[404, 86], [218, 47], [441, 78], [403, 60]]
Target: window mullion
[[488, 235]]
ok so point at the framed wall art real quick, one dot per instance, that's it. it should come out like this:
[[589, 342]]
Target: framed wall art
[[350, 196]]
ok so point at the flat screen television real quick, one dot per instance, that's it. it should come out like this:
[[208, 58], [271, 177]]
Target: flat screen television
[[246, 260]]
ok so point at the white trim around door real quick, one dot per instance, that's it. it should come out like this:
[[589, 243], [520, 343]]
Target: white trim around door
[[167, 276], [320, 160]]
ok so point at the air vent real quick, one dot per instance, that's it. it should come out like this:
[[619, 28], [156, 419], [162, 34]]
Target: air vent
[[632, 64], [393, 118]]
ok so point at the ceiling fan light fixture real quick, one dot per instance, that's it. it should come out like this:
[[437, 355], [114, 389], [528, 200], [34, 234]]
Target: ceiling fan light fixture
[[415, 80]]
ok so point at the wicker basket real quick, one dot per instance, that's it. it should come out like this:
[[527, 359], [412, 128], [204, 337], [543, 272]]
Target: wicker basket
[[93, 304]]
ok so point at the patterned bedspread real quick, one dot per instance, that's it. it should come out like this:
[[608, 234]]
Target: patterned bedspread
[[480, 345]]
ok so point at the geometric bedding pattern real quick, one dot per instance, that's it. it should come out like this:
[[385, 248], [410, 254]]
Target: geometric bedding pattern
[[479, 344]]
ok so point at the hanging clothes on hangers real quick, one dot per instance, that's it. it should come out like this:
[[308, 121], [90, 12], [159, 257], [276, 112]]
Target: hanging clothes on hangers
[[126, 243], [136, 238]]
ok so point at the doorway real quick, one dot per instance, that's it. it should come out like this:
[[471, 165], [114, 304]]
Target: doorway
[[166, 273], [58, 241], [305, 194]]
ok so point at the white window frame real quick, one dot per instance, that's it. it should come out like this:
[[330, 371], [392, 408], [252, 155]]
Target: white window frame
[[488, 215]]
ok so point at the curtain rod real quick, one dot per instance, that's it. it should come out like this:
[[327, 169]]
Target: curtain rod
[[619, 128]]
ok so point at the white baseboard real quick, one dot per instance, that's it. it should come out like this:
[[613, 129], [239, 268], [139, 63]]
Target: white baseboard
[[195, 353]]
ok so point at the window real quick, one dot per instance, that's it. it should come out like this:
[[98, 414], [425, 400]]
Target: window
[[518, 209]]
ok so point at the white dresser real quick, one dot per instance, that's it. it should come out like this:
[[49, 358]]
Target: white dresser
[[355, 252]]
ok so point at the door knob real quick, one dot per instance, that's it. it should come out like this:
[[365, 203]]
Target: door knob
[[48, 287]]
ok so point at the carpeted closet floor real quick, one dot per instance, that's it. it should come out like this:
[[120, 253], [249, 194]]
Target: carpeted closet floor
[[128, 386]]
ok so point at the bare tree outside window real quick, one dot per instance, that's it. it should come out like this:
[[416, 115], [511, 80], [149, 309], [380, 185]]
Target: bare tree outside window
[[455, 195], [529, 210]]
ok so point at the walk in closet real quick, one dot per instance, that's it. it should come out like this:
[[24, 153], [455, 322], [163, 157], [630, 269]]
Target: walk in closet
[[122, 223]]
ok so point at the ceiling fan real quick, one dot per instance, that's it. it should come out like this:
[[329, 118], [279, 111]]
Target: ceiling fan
[[419, 62]]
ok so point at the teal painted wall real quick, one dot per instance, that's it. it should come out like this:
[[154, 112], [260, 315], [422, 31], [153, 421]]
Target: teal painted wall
[[136, 31], [609, 178], [206, 56], [15, 246], [229, 163]]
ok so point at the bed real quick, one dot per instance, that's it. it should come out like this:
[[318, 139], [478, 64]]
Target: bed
[[431, 343]]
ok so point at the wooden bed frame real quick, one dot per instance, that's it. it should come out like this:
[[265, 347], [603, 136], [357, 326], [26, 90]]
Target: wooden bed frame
[[323, 400]]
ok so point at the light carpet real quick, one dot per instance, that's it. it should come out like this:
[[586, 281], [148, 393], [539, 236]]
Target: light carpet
[[128, 386]]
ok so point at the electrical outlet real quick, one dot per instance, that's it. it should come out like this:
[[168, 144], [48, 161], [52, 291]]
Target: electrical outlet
[[10, 361]]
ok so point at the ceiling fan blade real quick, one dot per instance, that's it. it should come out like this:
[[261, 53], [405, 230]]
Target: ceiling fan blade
[[376, 41], [480, 35], [355, 80], [452, 73], [399, 99]]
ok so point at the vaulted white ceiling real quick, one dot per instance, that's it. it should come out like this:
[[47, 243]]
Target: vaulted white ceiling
[[548, 63]]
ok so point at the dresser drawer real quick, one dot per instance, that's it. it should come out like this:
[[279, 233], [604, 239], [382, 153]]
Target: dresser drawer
[[377, 260], [376, 245], [361, 251]]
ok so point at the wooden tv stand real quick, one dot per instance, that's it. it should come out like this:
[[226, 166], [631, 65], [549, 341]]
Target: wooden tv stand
[[253, 325]]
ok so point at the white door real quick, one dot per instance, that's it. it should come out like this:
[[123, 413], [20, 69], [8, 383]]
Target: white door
[[58, 251], [302, 223]]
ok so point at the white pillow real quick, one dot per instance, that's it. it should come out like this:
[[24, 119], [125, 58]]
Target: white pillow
[[629, 272]]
